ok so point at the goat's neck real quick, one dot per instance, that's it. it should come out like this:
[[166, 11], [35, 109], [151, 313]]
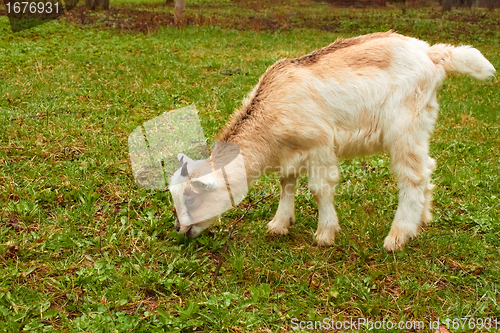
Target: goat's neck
[[256, 154]]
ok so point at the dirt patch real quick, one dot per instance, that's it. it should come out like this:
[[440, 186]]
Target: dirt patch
[[14, 223], [146, 20], [122, 19], [354, 3], [470, 17]]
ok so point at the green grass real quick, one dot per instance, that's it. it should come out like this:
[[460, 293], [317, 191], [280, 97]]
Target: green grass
[[83, 249]]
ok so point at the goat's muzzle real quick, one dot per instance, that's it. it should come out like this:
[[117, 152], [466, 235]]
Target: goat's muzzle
[[182, 230]]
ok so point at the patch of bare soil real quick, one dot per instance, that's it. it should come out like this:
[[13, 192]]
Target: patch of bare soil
[[145, 20], [473, 18], [355, 3], [121, 18]]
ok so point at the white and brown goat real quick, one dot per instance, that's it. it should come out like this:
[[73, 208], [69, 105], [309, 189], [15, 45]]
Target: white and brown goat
[[354, 97]]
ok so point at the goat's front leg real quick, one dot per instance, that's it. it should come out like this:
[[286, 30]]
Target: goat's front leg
[[286, 208], [322, 183], [413, 168]]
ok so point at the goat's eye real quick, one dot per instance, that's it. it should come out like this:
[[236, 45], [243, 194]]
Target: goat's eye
[[189, 201]]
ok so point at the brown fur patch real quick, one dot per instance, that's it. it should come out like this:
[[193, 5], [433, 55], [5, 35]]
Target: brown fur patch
[[339, 44], [379, 57], [345, 60]]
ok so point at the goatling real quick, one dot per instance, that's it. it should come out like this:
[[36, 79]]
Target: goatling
[[354, 97]]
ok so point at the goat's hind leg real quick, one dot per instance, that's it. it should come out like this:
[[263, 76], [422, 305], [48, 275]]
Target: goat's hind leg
[[286, 208], [426, 213], [413, 169]]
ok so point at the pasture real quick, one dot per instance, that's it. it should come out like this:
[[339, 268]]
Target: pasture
[[83, 249]]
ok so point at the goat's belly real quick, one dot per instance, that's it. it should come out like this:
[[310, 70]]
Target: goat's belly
[[358, 143]]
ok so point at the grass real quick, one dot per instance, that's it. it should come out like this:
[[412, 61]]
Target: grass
[[83, 249]]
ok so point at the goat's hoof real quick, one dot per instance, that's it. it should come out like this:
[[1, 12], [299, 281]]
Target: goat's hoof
[[276, 228], [399, 236], [327, 236], [392, 244], [324, 242]]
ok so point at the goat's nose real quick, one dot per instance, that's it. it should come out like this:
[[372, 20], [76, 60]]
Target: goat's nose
[[177, 227], [182, 230]]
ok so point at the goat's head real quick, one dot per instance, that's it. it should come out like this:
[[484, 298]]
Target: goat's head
[[200, 195]]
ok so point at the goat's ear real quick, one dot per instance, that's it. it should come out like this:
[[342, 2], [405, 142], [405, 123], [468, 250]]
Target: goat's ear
[[183, 159], [206, 183]]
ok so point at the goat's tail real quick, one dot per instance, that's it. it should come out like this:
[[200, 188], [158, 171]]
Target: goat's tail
[[462, 59]]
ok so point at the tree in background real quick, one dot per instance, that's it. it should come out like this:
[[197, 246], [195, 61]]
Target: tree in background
[[96, 4], [180, 13], [490, 4]]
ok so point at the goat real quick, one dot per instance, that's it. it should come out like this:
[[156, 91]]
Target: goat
[[356, 96]]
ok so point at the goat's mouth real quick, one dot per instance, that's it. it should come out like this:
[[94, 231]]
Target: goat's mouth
[[193, 230], [189, 232], [183, 230]]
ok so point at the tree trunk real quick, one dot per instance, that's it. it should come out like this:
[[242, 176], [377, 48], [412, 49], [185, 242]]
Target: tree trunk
[[180, 13], [105, 4], [447, 4], [90, 4], [96, 4]]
